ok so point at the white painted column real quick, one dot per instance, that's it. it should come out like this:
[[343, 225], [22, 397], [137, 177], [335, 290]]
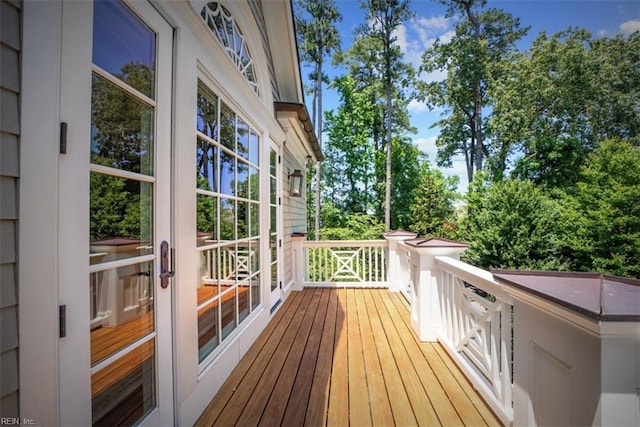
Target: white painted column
[[426, 318], [395, 275], [299, 260]]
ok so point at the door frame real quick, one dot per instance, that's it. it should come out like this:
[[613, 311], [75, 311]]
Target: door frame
[[73, 208], [276, 295]]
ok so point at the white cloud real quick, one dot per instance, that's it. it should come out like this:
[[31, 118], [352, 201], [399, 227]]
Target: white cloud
[[629, 27], [417, 106], [428, 146], [603, 33]]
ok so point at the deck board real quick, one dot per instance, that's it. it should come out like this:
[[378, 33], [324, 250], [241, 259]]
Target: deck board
[[345, 357]]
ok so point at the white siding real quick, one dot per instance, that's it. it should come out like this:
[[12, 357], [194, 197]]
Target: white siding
[[294, 215]]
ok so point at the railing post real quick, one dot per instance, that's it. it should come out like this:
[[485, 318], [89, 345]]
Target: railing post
[[426, 318], [299, 260], [395, 275]]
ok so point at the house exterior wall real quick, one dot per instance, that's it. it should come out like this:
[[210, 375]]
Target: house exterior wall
[[10, 45], [294, 213], [256, 9]]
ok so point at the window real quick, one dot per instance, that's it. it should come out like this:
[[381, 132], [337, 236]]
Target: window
[[228, 228], [224, 27]]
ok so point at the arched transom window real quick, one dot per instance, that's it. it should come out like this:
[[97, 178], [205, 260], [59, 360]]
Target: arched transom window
[[224, 27]]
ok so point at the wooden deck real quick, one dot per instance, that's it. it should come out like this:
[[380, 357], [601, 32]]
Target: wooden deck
[[345, 357]]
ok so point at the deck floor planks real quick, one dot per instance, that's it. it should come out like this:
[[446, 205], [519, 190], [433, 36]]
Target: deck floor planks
[[380, 407], [319, 396], [398, 398], [291, 370], [338, 411], [263, 388], [454, 391], [400, 378], [359, 410], [231, 394]]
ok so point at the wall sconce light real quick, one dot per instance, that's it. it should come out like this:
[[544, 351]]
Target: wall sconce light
[[295, 181]]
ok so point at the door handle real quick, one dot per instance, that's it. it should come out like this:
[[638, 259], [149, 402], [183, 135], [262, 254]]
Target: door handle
[[165, 273]]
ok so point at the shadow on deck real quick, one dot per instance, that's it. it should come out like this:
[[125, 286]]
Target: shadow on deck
[[345, 357]]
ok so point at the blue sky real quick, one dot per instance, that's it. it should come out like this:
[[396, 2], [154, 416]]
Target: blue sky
[[600, 17]]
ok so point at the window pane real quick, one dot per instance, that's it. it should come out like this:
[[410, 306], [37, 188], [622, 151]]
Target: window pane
[[274, 276], [243, 179], [228, 314], [274, 223], [243, 254], [254, 183], [272, 163], [207, 216], [243, 220], [243, 139], [254, 219], [121, 308], [255, 291], [121, 129], [208, 275], [121, 218], [243, 301], [208, 333], [254, 148], [227, 219], [254, 252], [227, 267], [124, 391], [124, 46], [206, 166], [207, 111], [227, 173], [273, 190], [228, 126]]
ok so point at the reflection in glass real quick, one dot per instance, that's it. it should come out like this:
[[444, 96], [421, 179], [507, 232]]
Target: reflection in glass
[[208, 335], [274, 276], [243, 179], [207, 121], [206, 166], [227, 219], [121, 218], [227, 169], [243, 220], [273, 217], [272, 163], [124, 46], [254, 148], [255, 291], [227, 126], [228, 312], [254, 183], [121, 129], [123, 392], [254, 219], [206, 221], [243, 301], [242, 149], [254, 251], [273, 191], [121, 308], [208, 285], [228, 267]]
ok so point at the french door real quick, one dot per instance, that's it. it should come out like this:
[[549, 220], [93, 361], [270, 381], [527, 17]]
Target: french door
[[275, 225], [115, 355]]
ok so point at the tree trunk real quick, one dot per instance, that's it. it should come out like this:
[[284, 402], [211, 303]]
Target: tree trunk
[[319, 133], [387, 193]]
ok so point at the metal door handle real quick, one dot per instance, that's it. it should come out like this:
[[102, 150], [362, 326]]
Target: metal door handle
[[165, 273]]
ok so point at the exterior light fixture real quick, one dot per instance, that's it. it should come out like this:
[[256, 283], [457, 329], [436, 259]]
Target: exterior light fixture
[[295, 181]]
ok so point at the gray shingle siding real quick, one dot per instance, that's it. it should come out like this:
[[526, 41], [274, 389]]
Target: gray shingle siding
[[294, 213], [10, 23], [256, 9]]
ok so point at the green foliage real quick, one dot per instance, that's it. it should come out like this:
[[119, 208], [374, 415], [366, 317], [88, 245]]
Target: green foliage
[[608, 200], [338, 225], [432, 211], [513, 224]]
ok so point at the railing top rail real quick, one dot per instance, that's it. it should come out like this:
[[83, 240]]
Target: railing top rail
[[476, 276], [344, 243]]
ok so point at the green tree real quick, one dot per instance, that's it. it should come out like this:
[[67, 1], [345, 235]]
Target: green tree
[[513, 224], [317, 38], [432, 210], [562, 98], [384, 17], [482, 40], [608, 199]]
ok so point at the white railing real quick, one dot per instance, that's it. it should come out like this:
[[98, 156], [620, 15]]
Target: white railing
[[346, 263], [476, 329]]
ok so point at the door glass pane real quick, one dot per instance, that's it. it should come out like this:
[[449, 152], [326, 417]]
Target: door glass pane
[[228, 312], [207, 216], [255, 291], [254, 148], [254, 186], [274, 276], [243, 139], [121, 218], [207, 112], [206, 166], [121, 129], [243, 179], [124, 46], [228, 126], [227, 173], [243, 301], [227, 219], [125, 390], [208, 286], [121, 308], [208, 332]]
